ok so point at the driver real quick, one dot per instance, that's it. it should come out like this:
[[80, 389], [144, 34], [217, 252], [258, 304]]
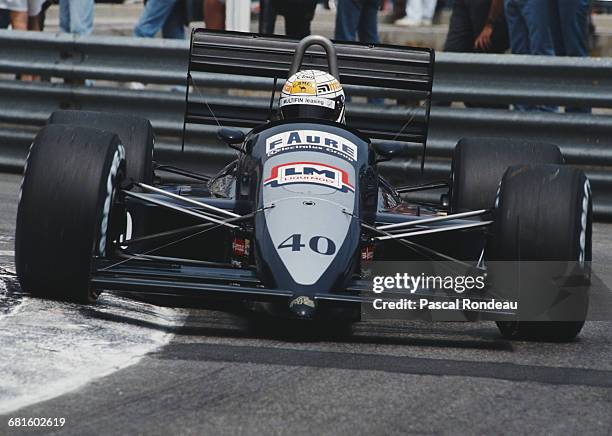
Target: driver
[[312, 94]]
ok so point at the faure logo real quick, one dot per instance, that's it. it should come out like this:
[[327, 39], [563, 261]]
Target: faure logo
[[311, 140], [309, 172]]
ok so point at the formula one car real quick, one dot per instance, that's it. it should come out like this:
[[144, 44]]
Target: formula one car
[[292, 225]]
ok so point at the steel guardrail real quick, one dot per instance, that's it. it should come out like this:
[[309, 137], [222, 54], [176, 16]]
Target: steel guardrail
[[585, 140]]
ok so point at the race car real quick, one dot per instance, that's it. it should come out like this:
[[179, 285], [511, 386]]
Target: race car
[[296, 224]]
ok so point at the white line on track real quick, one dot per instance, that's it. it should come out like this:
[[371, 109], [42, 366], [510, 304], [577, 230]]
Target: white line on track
[[51, 348], [7, 253]]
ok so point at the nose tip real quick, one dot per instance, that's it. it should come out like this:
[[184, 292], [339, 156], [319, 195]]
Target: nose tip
[[303, 306]]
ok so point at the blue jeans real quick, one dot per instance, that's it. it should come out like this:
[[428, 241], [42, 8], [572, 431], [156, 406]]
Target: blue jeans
[[357, 18], [76, 16], [569, 26], [529, 31], [165, 15]]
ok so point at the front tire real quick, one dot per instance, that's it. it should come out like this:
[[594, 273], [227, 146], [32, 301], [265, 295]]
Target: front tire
[[65, 209], [543, 224]]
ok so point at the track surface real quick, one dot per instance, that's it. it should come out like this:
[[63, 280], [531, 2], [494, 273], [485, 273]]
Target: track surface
[[219, 375]]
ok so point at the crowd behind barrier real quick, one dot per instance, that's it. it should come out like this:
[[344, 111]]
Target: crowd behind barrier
[[536, 27], [488, 86]]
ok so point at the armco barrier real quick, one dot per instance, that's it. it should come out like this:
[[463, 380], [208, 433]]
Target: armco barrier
[[585, 140]]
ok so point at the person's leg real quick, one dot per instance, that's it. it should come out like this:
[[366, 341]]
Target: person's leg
[[19, 20], [555, 27], [571, 32], [267, 16], [574, 22], [5, 18], [368, 22], [414, 10], [519, 35], [153, 17], [174, 26], [297, 19], [537, 19], [64, 15], [214, 14], [460, 36], [347, 20], [429, 9], [517, 27], [475, 14], [81, 16], [368, 31]]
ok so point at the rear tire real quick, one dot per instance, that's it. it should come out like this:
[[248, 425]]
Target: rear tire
[[65, 208], [479, 164], [136, 135], [543, 214]]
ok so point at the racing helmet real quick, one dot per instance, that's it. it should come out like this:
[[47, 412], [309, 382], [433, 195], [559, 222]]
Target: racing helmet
[[312, 94]]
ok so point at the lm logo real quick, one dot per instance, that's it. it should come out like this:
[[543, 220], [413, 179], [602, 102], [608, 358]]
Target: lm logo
[[311, 173]]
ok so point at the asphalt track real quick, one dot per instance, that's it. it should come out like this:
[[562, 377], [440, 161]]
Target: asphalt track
[[211, 373]]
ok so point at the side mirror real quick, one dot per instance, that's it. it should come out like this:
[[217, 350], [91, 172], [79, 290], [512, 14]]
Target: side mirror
[[232, 137], [390, 150]]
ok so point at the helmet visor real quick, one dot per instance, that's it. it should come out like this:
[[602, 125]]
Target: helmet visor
[[311, 107]]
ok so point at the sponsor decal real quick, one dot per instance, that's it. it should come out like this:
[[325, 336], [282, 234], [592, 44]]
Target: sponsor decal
[[311, 140], [241, 247], [316, 101], [310, 173], [304, 87], [305, 75], [367, 253], [328, 87]]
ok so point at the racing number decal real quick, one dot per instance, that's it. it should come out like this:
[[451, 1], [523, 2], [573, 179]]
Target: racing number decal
[[318, 244], [295, 244], [315, 245]]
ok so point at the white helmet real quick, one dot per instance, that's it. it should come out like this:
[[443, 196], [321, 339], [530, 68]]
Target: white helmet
[[312, 94]]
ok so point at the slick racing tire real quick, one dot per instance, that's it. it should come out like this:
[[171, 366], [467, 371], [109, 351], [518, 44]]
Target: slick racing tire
[[479, 164], [136, 136], [65, 210], [543, 220]]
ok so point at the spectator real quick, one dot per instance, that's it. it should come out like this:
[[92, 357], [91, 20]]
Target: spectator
[[570, 31], [76, 16], [214, 14], [166, 15], [477, 26], [529, 30], [23, 15], [297, 13], [418, 13], [357, 19]]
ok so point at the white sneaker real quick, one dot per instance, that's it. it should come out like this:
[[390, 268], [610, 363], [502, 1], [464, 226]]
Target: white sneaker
[[409, 22], [426, 22]]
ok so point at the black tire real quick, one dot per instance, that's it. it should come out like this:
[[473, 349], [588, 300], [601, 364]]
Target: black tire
[[544, 213], [479, 164], [136, 135], [65, 208]]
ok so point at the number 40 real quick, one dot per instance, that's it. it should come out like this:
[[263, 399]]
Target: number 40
[[318, 244]]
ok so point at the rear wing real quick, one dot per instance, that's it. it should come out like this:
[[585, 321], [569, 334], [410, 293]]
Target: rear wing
[[235, 58]]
